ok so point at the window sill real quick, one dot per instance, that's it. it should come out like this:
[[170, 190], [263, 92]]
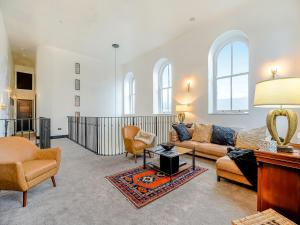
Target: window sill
[[229, 113]]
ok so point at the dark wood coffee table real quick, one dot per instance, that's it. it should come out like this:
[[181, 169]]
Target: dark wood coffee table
[[168, 158]]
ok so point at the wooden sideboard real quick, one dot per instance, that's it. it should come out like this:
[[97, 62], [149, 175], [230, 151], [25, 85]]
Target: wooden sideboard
[[279, 182]]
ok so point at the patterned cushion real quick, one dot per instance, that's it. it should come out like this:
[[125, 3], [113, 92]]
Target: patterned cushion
[[202, 133], [249, 139], [222, 135], [182, 131]]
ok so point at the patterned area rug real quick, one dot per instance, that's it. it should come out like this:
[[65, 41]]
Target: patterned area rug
[[142, 186]]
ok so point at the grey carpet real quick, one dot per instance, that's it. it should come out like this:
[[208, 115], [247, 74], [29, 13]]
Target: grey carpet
[[84, 196]]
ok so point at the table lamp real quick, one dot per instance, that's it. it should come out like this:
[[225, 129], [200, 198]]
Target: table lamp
[[282, 94], [181, 109]]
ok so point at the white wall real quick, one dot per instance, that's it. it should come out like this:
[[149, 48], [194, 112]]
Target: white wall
[[273, 29], [55, 78], [5, 71]]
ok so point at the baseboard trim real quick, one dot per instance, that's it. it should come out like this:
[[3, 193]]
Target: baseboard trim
[[58, 136]]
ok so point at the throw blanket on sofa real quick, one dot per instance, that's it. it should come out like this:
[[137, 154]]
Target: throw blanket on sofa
[[246, 162]]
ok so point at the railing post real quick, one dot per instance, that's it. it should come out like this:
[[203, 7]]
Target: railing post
[[97, 137], [77, 120], [45, 126], [85, 132], [6, 126], [14, 127], [156, 126], [22, 127]]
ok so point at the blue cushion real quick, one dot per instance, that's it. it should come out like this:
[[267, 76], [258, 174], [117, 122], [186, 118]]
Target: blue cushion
[[222, 135], [182, 132]]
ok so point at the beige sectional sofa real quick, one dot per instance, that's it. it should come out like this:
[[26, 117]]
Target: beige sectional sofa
[[225, 167]]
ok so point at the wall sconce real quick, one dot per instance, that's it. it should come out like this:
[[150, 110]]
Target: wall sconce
[[2, 105], [188, 85], [274, 71]]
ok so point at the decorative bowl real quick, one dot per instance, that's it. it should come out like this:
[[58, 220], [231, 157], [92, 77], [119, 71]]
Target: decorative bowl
[[167, 146]]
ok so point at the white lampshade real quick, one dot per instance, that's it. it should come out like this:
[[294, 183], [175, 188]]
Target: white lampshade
[[183, 108], [284, 92]]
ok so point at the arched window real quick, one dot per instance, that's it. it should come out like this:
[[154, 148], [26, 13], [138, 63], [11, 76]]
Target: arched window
[[229, 74], [129, 94], [162, 80]]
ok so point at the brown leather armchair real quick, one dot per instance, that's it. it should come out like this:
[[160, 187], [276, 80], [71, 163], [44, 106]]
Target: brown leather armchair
[[23, 165], [133, 146]]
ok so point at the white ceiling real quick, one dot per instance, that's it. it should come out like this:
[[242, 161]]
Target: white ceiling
[[89, 27]]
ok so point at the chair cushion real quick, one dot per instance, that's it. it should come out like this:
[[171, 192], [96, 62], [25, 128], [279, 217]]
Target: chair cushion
[[211, 149], [228, 165], [35, 168], [205, 148], [139, 145]]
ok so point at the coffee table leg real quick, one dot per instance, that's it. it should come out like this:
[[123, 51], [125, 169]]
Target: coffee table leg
[[144, 158], [194, 159], [171, 170]]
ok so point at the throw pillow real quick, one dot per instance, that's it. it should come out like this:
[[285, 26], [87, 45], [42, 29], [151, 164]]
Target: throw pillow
[[222, 135], [145, 137], [249, 139], [202, 133], [182, 131]]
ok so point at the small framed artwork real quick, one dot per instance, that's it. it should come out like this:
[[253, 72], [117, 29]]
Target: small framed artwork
[[77, 114], [77, 68], [77, 100], [77, 84]]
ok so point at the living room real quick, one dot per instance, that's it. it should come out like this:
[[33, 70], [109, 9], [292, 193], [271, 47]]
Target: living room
[[105, 83]]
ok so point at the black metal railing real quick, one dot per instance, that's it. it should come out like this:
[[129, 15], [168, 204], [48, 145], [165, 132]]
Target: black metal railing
[[35, 129], [102, 135]]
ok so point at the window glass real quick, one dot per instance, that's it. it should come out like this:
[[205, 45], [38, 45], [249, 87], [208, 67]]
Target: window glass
[[240, 92], [240, 58], [224, 61], [223, 94]]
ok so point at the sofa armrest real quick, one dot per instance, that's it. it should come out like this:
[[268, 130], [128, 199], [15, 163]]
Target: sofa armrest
[[50, 153], [12, 177]]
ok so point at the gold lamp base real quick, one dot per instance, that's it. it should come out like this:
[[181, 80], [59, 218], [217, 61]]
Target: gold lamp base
[[181, 117], [292, 127]]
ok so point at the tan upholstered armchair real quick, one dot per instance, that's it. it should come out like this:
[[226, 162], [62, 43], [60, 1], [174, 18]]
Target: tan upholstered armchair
[[133, 146], [23, 165]]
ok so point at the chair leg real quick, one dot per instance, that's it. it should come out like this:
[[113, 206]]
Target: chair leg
[[126, 154], [24, 198], [218, 178], [53, 181], [149, 155], [135, 158]]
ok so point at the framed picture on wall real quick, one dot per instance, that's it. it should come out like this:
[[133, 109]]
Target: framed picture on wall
[[77, 68], [77, 84], [77, 100]]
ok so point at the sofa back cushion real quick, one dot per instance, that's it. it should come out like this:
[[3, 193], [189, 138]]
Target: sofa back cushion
[[202, 133], [223, 135], [182, 132], [16, 149], [249, 139]]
